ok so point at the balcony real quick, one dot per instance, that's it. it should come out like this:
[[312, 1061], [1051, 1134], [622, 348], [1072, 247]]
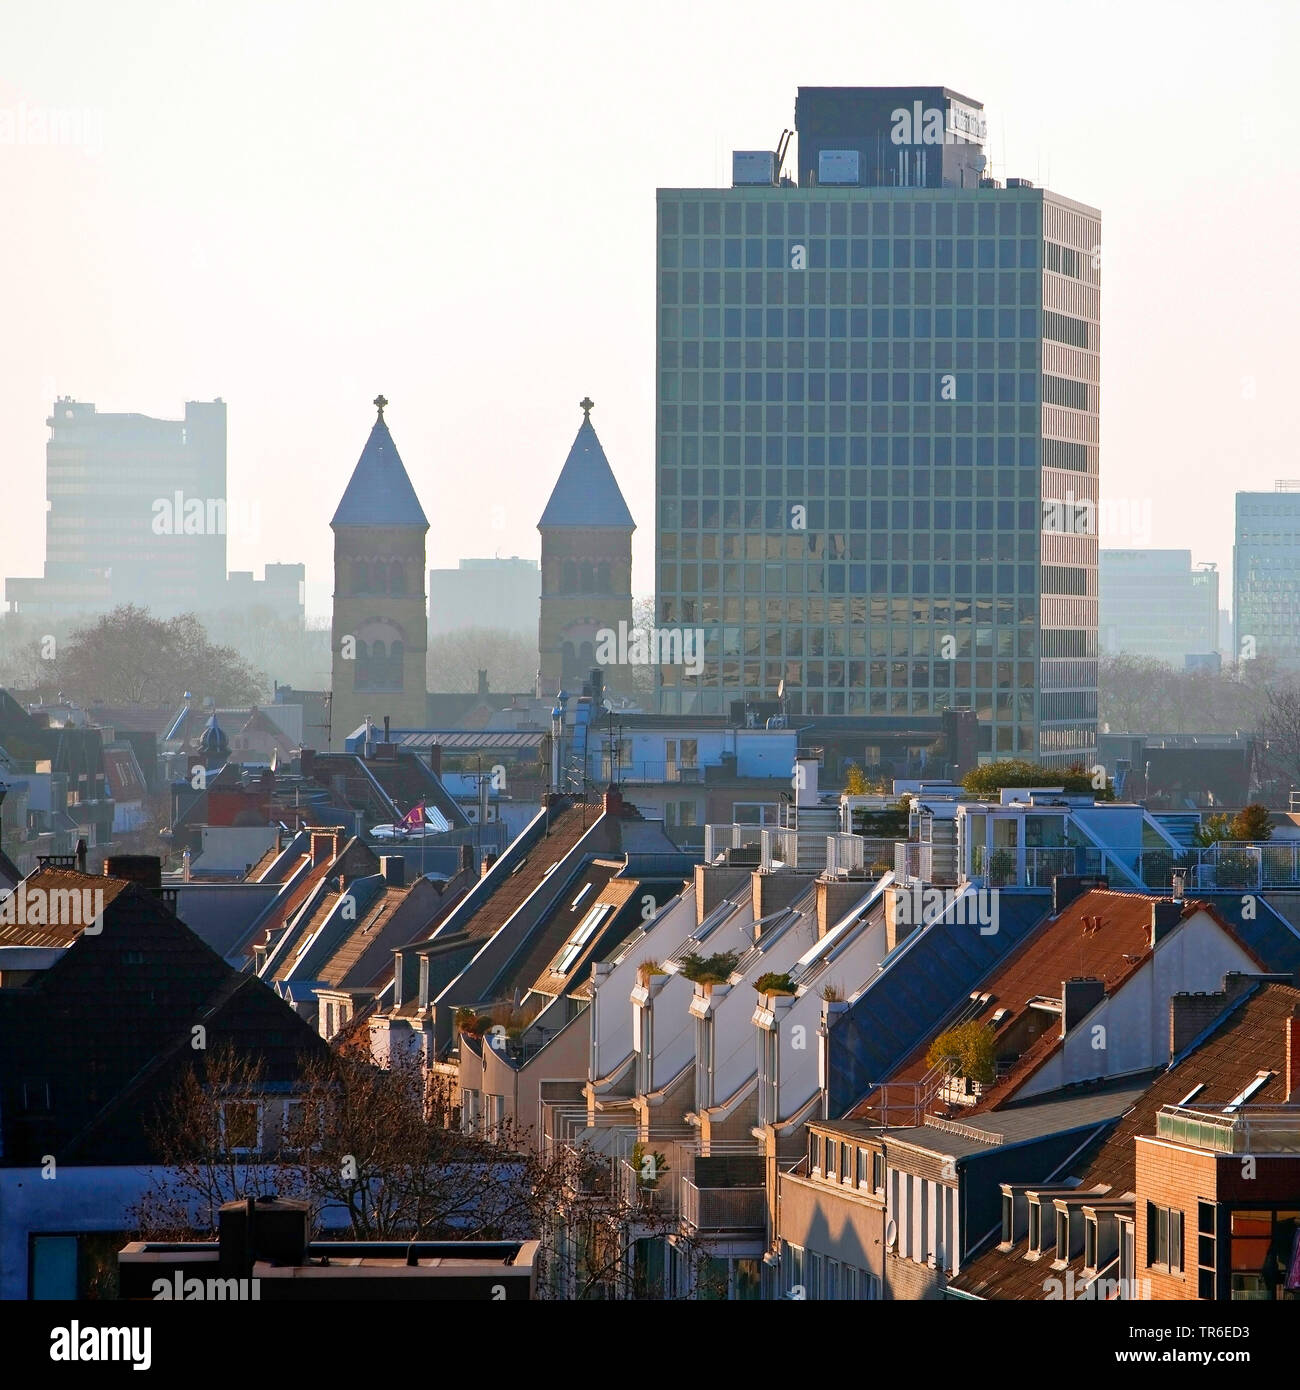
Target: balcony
[[1257, 1129], [715, 1209]]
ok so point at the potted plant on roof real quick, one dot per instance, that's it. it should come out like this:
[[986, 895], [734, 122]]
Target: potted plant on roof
[[707, 971], [774, 982]]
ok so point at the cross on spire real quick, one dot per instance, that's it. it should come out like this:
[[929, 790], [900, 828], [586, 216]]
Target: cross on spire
[[379, 403], [588, 405]]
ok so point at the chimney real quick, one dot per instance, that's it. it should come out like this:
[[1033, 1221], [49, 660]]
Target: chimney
[[1165, 916], [1067, 887], [435, 759], [393, 868], [81, 856], [467, 858], [388, 729], [324, 845], [613, 801], [144, 869], [1191, 1014], [271, 1229], [1079, 997], [482, 685], [307, 761], [489, 859]]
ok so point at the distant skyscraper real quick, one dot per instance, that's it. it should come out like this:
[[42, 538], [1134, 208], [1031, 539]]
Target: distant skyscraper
[[877, 425], [499, 593], [1153, 603], [586, 564], [379, 637], [1266, 574], [137, 512]]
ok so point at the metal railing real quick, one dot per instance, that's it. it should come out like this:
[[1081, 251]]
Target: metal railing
[[846, 854], [1229, 865], [723, 1208], [1254, 1129], [779, 846]]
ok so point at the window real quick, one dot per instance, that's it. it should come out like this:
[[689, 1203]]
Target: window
[[1090, 1243], [833, 1280], [301, 1128], [832, 1149], [1206, 1249], [1062, 1235], [1245, 1096], [1165, 1237], [814, 1152], [846, 1163], [580, 936], [864, 1167], [1035, 1228], [877, 1172], [1008, 1218], [241, 1126], [815, 1275]]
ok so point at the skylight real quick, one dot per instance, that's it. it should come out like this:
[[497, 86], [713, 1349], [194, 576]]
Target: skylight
[[1243, 1097], [581, 935]]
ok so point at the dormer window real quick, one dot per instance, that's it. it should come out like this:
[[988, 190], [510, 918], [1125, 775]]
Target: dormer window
[[1090, 1243], [1062, 1236], [814, 1152], [1008, 1219], [1035, 1228]]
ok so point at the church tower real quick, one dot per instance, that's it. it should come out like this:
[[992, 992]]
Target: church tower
[[586, 564], [380, 631]]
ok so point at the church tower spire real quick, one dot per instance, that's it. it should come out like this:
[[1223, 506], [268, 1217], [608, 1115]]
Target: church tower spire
[[586, 530], [380, 629]]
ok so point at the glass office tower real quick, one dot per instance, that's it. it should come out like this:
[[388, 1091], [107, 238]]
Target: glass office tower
[[877, 432]]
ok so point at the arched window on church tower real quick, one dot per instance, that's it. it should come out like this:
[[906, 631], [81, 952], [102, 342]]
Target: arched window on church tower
[[570, 584], [588, 579], [360, 577], [397, 579], [602, 577]]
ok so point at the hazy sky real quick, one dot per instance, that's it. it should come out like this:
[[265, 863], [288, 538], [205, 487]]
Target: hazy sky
[[296, 206]]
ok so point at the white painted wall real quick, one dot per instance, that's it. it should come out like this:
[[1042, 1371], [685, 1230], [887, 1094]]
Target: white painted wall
[[1194, 956]]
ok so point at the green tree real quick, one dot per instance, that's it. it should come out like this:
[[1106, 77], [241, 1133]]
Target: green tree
[[1252, 823], [970, 1048], [990, 778]]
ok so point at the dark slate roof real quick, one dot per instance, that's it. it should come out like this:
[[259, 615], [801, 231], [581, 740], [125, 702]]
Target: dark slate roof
[[379, 492], [586, 492], [920, 985]]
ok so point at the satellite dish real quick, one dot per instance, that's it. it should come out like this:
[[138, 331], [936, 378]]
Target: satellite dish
[[891, 1233]]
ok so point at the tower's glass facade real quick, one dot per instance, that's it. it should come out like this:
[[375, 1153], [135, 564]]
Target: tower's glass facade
[[877, 454]]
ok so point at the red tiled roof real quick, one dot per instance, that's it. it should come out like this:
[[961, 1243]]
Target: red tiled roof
[[1103, 935], [1250, 1040], [45, 881]]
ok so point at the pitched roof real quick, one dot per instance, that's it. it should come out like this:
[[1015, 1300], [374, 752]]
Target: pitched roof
[[1103, 935], [379, 492], [56, 935], [1248, 1040], [586, 493]]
